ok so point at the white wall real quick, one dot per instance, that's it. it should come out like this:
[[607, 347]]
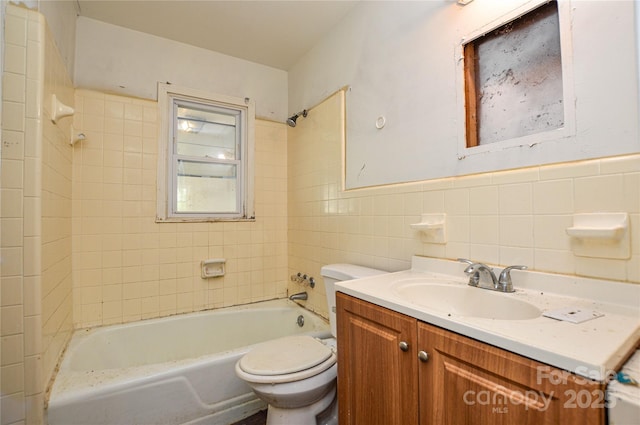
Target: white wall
[[399, 60], [61, 19], [3, 7], [118, 60], [638, 48]]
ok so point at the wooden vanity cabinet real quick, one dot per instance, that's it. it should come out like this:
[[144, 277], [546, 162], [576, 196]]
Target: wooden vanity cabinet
[[377, 380], [461, 380]]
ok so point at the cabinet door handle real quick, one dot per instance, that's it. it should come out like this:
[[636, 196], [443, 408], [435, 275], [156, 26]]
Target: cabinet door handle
[[423, 356], [404, 346]]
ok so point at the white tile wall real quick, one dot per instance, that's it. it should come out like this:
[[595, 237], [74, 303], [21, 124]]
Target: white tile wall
[[509, 217], [128, 267], [36, 217], [14, 303]]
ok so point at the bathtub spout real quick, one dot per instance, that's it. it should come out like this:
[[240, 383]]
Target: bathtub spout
[[299, 296]]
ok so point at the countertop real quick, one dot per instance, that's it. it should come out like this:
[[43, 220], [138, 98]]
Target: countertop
[[592, 349]]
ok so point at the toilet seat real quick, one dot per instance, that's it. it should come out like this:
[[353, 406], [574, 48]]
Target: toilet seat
[[286, 359]]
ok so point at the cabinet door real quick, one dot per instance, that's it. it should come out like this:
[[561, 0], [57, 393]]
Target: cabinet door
[[377, 380], [468, 382]]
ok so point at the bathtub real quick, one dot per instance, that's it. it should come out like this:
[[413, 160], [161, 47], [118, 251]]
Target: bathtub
[[174, 370]]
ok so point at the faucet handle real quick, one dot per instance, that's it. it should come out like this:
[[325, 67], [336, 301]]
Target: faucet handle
[[464, 260], [504, 281], [471, 271]]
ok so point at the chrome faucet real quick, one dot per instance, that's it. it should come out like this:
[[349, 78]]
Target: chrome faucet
[[475, 271], [299, 296], [504, 281]]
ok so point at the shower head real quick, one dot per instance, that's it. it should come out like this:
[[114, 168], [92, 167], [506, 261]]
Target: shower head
[[291, 121]]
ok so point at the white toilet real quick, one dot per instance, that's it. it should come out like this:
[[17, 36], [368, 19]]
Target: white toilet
[[296, 375]]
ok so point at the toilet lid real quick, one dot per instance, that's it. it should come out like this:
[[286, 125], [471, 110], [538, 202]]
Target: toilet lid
[[285, 355]]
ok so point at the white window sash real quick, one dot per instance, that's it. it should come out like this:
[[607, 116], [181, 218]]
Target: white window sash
[[169, 97]]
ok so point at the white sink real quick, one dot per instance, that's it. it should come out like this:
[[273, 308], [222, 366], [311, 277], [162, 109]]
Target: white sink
[[463, 300], [435, 291]]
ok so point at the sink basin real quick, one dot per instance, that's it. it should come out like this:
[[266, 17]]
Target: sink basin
[[464, 300]]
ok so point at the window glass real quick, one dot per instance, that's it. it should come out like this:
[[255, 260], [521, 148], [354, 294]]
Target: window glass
[[206, 133], [205, 156], [206, 187]]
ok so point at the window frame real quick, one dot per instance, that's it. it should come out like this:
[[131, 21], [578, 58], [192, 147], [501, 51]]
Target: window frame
[[169, 97], [567, 132]]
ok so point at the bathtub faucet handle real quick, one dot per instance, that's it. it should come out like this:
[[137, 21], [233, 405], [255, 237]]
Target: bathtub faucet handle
[[303, 279], [297, 277]]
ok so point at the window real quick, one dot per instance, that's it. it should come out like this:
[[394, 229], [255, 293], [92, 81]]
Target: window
[[205, 156]]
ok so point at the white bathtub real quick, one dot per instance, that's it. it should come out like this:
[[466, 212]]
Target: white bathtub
[[174, 370]]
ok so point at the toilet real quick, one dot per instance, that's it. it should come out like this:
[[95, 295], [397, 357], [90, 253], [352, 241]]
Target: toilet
[[296, 375]]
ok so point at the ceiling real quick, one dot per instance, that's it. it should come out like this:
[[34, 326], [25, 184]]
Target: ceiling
[[269, 32]]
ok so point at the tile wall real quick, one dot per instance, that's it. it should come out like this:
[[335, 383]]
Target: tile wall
[[55, 189], [503, 218], [21, 317], [127, 267], [36, 216]]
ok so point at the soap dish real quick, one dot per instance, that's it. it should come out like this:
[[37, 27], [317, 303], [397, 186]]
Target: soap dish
[[601, 235], [432, 228]]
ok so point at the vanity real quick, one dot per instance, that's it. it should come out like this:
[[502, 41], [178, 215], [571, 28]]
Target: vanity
[[423, 347]]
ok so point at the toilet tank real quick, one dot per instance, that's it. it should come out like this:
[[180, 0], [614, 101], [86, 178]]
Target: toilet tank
[[333, 273]]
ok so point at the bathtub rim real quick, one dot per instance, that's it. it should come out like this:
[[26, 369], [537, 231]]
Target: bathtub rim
[[111, 379], [237, 307]]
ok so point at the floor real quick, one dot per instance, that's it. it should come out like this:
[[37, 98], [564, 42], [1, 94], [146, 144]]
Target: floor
[[259, 418]]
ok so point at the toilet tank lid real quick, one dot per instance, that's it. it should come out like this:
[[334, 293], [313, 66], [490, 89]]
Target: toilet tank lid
[[348, 271]]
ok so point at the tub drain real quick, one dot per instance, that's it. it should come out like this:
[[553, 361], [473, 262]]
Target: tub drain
[[300, 320]]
